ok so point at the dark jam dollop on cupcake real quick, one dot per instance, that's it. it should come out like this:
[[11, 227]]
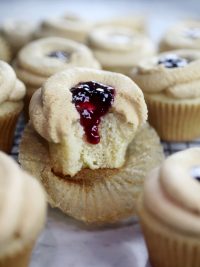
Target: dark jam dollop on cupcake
[[195, 173], [173, 61], [193, 32], [62, 55], [92, 100]]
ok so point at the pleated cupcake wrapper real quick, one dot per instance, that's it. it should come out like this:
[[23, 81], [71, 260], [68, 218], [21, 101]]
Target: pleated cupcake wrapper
[[18, 259], [174, 121], [27, 99], [94, 196], [168, 247], [7, 130]]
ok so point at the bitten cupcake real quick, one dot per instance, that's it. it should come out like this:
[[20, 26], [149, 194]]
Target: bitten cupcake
[[182, 35], [22, 214], [87, 143], [69, 26], [40, 59], [17, 33], [170, 82], [5, 53], [134, 22], [119, 48], [169, 211], [12, 92]]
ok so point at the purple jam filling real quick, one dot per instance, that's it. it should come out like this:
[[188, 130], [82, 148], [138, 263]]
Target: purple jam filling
[[92, 100], [173, 61], [62, 55]]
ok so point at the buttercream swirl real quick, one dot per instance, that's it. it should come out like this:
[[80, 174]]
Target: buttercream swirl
[[23, 206], [34, 65], [11, 89], [119, 46], [177, 83], [172, 194], [52, 112]]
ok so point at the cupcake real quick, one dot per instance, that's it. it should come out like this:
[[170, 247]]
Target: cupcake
[[170, 82], [17, 33], [5, 53], [119, 49], [22, 216], [87, 143], [134, 22], [169, 211], [182, 35], [69, 26], [12, 92], [40, 59]]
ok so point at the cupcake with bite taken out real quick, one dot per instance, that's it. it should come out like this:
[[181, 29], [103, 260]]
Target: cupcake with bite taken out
[[93, 146]]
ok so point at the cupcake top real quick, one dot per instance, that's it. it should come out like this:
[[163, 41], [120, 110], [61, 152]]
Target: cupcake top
[[5, 53], [23, 207], [17, 33], [172, 192], [119, 46], [11, 89], [175, 74], [183, 35], [40, 59], [68, 26], [136, 23], [93, 114]]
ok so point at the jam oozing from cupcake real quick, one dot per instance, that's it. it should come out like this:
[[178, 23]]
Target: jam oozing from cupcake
[[92, 100], [193, 32], [195, 173], [62, 55], [173, 61]]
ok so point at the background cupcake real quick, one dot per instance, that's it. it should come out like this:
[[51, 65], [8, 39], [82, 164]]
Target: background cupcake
[[170, 83], [118, 49], [12, 92], [40, 59], [5, 52], [169, 211], [184, 34], [22, 216], [68, 26]]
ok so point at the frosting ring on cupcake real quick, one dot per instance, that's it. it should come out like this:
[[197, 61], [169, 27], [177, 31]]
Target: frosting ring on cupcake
[[47, 104], [183, 35], [35, 61], [68, 26], [11, 89], [23, 206], [178, 82], [121, 45], [172, 194]]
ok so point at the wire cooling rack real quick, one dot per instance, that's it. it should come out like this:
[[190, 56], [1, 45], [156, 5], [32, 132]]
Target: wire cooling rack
[[169, 147]]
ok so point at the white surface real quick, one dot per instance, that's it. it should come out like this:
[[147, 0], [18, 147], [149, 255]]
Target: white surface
[[66, 243]]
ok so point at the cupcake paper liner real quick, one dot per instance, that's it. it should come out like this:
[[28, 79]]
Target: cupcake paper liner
[[19, 259], [7, 126], [94, 196], [174, 121], [168, 247]]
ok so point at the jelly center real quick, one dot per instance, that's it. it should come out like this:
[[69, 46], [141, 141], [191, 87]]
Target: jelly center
[[62, 55], [92, 100], [195, 173], [173, 61]]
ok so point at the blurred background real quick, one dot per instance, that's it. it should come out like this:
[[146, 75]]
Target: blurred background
[[159, 13]]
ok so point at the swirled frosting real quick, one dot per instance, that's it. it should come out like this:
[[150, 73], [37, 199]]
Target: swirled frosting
[[40, 59], [183, 35], [23, 207], [68, 26], [172, 192], [119, 46], [52, 112], [11, 89], [181, 82]]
